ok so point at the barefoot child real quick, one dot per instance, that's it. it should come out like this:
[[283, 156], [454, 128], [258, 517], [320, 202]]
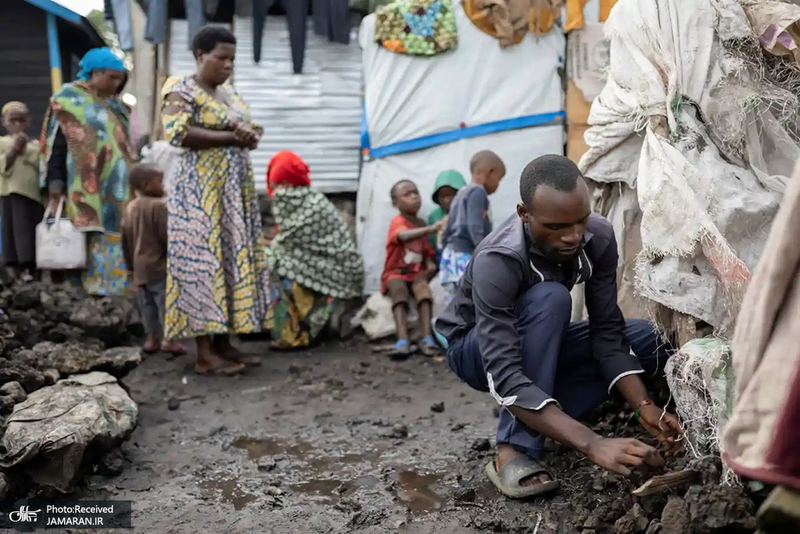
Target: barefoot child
[[468, 222], [144, 245], [20, 199], [409, 266]]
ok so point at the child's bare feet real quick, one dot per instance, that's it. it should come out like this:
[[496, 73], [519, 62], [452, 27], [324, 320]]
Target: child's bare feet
[[152, 344]]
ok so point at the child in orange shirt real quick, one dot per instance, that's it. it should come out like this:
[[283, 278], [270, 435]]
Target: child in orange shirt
[[410, 263]]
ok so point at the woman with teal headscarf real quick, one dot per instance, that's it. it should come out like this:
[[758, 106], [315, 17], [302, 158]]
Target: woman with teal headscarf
[[87, 152]]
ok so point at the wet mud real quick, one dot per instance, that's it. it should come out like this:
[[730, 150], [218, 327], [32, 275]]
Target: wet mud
[[339, 439]]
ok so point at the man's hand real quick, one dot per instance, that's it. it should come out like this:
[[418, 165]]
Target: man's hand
[[618, 454], [663, 426]]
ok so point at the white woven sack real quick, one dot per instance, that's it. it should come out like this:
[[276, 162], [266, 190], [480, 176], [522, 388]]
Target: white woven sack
[[59, 246]]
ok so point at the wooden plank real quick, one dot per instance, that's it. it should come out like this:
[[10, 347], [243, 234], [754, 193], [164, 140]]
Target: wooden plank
[[662, 483]]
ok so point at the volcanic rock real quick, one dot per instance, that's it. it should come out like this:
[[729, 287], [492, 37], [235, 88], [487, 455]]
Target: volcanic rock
[[14, 390], [28, 377]]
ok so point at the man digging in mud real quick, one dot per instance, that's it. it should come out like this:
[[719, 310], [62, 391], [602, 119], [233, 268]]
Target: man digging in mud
[[509, 333]]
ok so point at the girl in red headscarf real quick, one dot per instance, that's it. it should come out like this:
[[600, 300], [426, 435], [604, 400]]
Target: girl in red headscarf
[[313, 259], [287, 169]]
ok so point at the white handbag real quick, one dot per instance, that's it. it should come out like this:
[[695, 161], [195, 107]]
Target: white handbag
[[59, 246]]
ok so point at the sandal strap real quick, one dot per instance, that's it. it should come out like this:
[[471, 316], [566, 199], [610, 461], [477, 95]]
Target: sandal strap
[[519, 469]]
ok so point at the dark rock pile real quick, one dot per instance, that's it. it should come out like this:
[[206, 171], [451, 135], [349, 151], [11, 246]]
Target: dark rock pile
[[49, 332]]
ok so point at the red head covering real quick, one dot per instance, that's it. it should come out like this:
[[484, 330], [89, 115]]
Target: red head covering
[[286, 167]]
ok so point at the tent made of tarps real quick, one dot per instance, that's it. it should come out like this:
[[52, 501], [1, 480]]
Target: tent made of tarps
[[426, 115]]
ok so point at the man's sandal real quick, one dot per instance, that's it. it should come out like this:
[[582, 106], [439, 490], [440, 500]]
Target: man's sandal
[[428, 346], [507, 481]]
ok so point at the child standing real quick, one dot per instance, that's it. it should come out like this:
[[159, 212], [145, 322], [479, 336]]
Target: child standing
[[20, 198], [409, 266], [144, 246], [468, 222], [444, 190]]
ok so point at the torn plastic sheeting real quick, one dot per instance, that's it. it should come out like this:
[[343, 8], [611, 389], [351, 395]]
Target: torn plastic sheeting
[[701, 379], [667, 62], [51, 434], [777, 25]]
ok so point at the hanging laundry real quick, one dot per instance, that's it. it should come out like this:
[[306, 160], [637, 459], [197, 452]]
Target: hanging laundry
[[119, 12], [296, 14], [332, 20], [575, 14], [605, 9], [210, 7], [155, 29], [509, 20], [575, 20], [416, 27], [196, 15], [108, 11], [368, 6]]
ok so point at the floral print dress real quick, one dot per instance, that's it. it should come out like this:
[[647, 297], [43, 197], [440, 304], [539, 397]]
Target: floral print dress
[[217, 278], [100, 154]]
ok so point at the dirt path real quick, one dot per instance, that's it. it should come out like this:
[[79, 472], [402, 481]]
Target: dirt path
[[333, 440]]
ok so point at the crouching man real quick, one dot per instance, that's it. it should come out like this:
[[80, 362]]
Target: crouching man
[[509, 333]]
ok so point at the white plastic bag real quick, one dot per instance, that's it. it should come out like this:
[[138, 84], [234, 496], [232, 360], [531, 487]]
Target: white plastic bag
[[59, 246]]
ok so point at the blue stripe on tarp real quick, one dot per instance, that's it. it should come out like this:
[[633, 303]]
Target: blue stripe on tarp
[[56, 9], [467, 132], [364, 128]]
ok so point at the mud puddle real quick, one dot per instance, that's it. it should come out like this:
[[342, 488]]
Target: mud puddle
[[418, 491], [227, 490], [331, 489], [320, 461], [259, 447]]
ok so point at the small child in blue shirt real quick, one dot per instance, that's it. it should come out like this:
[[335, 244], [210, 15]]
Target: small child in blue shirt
[[468, 222]]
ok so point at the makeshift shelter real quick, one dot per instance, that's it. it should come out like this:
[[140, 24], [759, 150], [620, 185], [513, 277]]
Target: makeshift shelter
[[423, 115], [43, 42], [691, 143]]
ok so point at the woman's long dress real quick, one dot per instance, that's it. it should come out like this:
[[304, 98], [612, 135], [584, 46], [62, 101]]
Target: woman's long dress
[[88, 150], [217, 278]]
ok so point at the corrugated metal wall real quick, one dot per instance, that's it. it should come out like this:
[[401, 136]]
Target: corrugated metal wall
[[316, 114], [24, 63]]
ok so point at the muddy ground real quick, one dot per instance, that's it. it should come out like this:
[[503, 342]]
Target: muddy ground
[[339, 439]]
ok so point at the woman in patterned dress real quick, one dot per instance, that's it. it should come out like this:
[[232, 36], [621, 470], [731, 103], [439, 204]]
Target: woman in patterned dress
[[313, 259], [85, 160], [217, 279]]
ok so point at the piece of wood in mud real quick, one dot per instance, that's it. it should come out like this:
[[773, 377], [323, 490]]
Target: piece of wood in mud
[[381, 347], [662, 483]]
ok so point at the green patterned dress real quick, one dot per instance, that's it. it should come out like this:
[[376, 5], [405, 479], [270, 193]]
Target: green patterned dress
[[99, 156], [313, 262]]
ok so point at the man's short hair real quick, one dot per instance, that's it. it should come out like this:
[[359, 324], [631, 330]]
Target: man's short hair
[[552, 171]]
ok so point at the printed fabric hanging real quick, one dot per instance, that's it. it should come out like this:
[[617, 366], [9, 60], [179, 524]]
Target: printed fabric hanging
[[417, 27]]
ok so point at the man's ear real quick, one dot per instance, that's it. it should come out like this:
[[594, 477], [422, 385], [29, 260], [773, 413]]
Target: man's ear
[[522, 211]]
